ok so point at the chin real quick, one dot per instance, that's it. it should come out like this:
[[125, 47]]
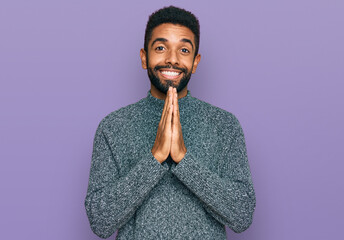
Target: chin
[[163, 85]]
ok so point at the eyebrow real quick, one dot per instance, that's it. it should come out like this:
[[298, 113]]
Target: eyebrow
[[165, 40]]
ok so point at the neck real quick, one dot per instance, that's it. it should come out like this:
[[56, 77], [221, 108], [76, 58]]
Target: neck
[[160, 95]]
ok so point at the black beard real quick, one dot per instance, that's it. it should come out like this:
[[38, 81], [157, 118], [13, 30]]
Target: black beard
[[155, 80]]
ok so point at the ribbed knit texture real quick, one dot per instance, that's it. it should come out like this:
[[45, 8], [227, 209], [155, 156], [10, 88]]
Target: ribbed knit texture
[[131, 191]]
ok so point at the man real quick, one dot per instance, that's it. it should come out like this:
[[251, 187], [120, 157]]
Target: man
[[169, 166]]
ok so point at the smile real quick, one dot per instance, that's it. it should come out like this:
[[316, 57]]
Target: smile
[[170, 74]]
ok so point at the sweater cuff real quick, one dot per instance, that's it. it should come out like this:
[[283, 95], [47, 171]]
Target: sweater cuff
[[146, 174], [185, 166], [153, 164]]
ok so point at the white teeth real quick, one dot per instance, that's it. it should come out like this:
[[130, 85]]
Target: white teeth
[[169, 73]]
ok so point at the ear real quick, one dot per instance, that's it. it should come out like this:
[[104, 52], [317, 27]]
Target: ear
[[196, 62], [143, 58]]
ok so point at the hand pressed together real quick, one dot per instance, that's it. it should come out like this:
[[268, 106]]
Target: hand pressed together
[[169, 138]]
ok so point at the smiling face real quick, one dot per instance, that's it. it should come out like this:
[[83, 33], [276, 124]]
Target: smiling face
[[171, 59]]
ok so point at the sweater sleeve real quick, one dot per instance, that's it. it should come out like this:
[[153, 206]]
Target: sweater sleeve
[[112, 200], [230, 199]]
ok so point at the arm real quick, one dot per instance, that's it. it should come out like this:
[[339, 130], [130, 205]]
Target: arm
[[230, 199], [112, 200]]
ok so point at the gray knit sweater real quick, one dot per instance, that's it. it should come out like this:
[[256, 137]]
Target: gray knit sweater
[[131, 191]]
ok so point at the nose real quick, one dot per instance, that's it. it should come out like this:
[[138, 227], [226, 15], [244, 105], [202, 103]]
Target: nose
[[172, 58]]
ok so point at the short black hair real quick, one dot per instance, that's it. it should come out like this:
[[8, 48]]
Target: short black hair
[[172, 15]]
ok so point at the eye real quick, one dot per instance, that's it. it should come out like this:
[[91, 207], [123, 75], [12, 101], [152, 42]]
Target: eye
[[159, 48], [184, 50]]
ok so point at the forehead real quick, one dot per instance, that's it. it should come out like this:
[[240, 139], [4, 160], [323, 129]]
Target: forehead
[[172, 32]]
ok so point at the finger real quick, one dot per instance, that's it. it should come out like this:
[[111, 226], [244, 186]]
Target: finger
[[167, 132], [166, 106], [169, 115], [170, 105], [175, 107], [166, 102]]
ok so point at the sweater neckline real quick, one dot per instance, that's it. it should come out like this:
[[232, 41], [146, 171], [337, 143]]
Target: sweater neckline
[[159, 103]]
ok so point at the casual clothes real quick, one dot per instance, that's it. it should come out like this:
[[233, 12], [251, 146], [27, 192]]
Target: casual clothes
[[131, 191]]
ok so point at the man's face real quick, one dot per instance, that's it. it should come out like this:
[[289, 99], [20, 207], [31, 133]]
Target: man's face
[[170, 59]]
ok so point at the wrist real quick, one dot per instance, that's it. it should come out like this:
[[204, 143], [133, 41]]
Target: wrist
[[180, 156], [157, 156]]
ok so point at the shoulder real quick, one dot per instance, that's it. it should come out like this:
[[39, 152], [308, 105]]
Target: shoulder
[[214, 114], [120, 117]]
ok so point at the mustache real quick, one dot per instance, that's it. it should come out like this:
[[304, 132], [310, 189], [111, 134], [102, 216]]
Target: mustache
[[156, 68]]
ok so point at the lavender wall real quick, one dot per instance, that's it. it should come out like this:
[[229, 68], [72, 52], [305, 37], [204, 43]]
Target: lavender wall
[[277, 65]]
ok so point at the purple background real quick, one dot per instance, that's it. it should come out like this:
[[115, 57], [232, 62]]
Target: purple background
[[277, 65]]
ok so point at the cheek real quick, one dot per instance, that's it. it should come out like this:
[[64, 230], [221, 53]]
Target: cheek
[[188, 61], [154, 59], [188, 65]]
